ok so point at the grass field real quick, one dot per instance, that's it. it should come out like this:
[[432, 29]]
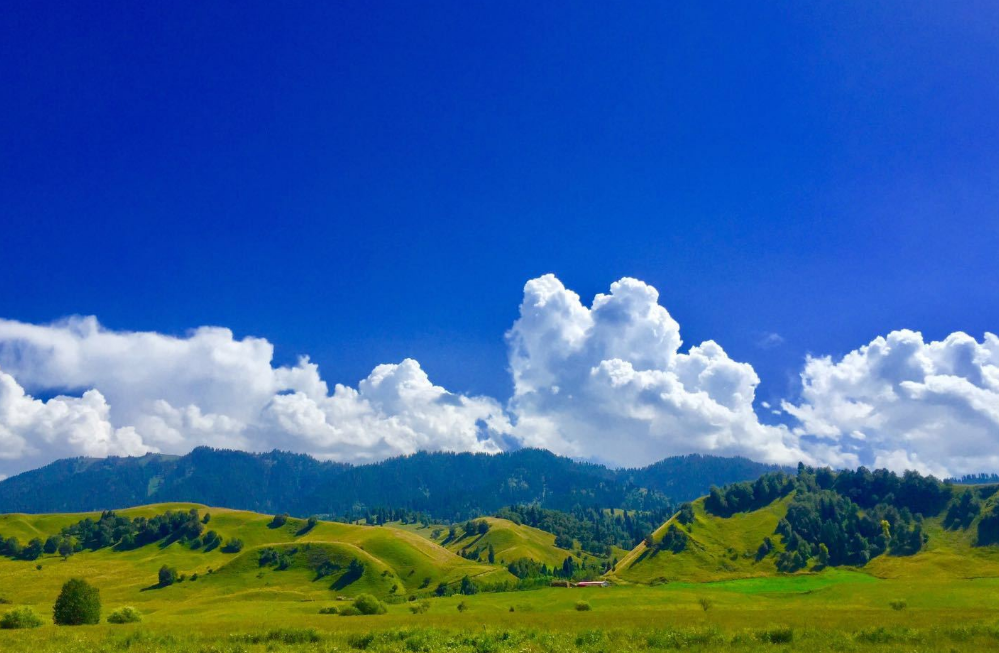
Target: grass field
[[947, 597]]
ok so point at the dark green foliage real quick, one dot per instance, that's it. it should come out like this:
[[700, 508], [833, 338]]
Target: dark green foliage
[[79, 603], [51, 544], [234, 545], [491, 555], [33, 550], [596, 530], [367, 604], [527, 568], [745, 496], [686, 514], [766, 547], [11, 547], [125, 615], [583, 606], [467, 586], [167, 576], [20, 618], [675, 539], [447, 486], [126, 533], [210, 540], [278, 521], [988, 527], [962, 510], [849, 517], [280, 560]]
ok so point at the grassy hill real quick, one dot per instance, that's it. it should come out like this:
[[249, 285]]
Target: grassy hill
[[395, 562], [510, 542], [718, 548], [723, 548]]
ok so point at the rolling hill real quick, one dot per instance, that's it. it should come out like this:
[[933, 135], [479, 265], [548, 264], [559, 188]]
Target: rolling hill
[[510, 542], [309, 564], [878, 524]]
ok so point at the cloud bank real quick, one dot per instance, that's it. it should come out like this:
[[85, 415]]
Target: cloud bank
[[611, 381]]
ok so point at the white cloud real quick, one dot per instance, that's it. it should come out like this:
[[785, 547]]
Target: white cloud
[[609, 382], [33, 431], [903, 403], [152, 392]]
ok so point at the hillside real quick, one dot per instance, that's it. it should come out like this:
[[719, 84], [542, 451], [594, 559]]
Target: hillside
[[880, 524], [509, 541], [446, 486], [311, 564]]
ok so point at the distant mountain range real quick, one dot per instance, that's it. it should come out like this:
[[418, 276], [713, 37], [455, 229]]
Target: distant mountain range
[[448, 486]]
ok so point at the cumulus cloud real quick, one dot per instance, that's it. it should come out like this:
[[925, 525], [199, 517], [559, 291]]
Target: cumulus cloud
[[903, 403], [138, 392], [610, 382]]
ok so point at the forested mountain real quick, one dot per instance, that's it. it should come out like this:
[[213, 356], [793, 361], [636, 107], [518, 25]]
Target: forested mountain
[[446, 486]]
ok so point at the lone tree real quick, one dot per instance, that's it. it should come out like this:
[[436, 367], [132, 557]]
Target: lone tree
[[78, 603], [167, 576]]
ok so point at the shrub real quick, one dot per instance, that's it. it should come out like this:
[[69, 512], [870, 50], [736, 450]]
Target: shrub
[[125, 615], [776, 635], [360, 641], [898, 604], [705, 604], [79, 603], [279, 521], [20, 618], [583, 606], [420, 608], [367, 604], [329, 610], [167, 576], [235, 545], [462, 606]]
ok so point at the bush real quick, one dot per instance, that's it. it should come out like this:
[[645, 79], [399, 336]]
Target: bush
[[778, 635], [420, 608], [167, 576], [898, 604], [329, 610], [462, 606], [367, 604], [278, 521], [20, 618], [125, 615], [79, 603], [235, 545], [705, 603], [583, 606]]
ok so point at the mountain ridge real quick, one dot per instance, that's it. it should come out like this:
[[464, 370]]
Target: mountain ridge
[[444, 485]]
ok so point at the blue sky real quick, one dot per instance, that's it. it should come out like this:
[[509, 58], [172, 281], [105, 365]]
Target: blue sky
[[367, 183]]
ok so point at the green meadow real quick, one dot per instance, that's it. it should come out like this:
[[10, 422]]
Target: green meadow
[[709, 598]]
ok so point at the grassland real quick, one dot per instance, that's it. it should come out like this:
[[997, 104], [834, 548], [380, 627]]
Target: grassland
[[945, 597], [393, 559]]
